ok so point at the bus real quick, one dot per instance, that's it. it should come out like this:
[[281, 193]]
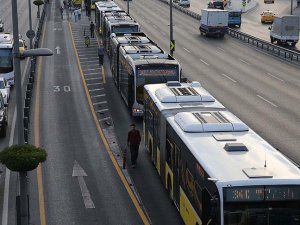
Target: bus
[[118, 24], [216, 169], [137, 69], [103, 7], [120, 39], [6, 58]]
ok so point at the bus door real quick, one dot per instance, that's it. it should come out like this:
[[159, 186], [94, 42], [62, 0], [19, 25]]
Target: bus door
[[176, 193]]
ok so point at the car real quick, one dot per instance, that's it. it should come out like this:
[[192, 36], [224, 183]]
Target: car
[[184, 3], [22, 48], [267, 16], [3, 116], [5, 89], [1, 26]]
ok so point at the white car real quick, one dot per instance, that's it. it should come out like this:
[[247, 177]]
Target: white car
[[184, 3], [5, 89]]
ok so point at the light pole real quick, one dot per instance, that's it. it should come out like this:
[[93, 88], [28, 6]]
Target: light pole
[[24, 209], [30, 24], [171, 27], [291, 7], [128, 7]]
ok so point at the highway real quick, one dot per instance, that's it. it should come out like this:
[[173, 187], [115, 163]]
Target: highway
[[251, 23], [261, 90]]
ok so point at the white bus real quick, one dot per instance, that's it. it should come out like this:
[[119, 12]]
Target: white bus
[[216, 169], [118, 24], [140, 65], [6, 58], [102, 8], [141, 45]]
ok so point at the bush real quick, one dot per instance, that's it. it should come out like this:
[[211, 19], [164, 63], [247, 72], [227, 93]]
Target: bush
[[22, 158]]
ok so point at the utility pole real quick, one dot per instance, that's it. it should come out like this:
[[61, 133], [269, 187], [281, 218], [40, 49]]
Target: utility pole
[[291, 7], [19, 101], [128, 7], [30, 23], [171, 27]]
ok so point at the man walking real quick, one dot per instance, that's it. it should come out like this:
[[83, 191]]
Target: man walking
[[133, 141], [92, 29]]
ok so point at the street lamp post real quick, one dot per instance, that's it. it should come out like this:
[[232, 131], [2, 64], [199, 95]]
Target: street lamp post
[[30, 23], [171, 26], [128, 7], [24, 209], [291, 7]]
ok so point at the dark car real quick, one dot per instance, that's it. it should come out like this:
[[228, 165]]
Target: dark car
[[1, 26], [3, 117]]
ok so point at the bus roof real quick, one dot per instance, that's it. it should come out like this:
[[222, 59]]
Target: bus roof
[[177, 96], [141, 49], [107, 6], [131, 38], [229, 151]]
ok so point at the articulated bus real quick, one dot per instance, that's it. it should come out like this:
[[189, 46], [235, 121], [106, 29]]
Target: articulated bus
[[121, 39], [137, 69], [216, 169], [6, 58], [101, 8], [123, 24]]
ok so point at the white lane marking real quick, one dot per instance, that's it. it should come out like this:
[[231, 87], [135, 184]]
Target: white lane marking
[[57, 50], [81, 58], [95, 96], [80, 173], [271, 103], [187, 50], [204, 62], [90, 61], [91, 74], [100, 103], [245, 62], [94, 84], [223, 74], [94, 78], [275, 77], [106, 118], [92, 69], [98, 89], [221, 49], [154, 26], [101, 110]]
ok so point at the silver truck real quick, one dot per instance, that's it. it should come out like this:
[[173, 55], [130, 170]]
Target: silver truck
[[285, 30]]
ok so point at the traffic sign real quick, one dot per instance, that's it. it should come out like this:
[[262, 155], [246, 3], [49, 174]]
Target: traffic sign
[[30, 34], [172, 45]]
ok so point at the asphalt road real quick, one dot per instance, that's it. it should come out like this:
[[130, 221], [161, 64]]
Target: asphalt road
[[260, 89], [251, 23]]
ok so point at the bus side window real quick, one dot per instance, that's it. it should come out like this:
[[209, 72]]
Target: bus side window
[[170, 154]]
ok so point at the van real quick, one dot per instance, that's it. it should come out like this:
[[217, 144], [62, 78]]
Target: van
[[184, 3]]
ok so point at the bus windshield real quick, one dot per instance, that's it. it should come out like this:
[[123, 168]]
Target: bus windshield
[[262, 205], [6, 60], [124, 29], [154, 74]]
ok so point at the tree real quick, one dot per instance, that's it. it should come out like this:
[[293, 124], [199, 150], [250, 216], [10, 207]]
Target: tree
[[22, 158], [38, 3]]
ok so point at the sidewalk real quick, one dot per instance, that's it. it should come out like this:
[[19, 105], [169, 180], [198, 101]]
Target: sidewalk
[[94, 77]]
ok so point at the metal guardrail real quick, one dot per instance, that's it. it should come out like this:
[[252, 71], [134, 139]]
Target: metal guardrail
[[275, 50]]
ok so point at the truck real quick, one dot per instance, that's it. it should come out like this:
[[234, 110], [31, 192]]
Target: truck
[[285, 30], [234, 18], [213, 22]]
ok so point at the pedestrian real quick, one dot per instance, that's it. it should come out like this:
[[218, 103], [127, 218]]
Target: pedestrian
[[76, 15], [133, 141], [62, 12], [71, 10], [92, 29], [101, 54], [79, 14]]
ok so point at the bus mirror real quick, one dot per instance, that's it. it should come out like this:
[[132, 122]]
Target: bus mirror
[[183, 80]]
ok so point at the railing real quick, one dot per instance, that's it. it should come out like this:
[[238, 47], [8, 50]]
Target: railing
[[284, 53]]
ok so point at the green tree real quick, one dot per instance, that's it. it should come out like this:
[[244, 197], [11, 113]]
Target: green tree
[[22, 158], [38, 3]]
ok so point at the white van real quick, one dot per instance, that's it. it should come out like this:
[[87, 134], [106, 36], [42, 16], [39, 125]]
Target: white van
[[184, 3]]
